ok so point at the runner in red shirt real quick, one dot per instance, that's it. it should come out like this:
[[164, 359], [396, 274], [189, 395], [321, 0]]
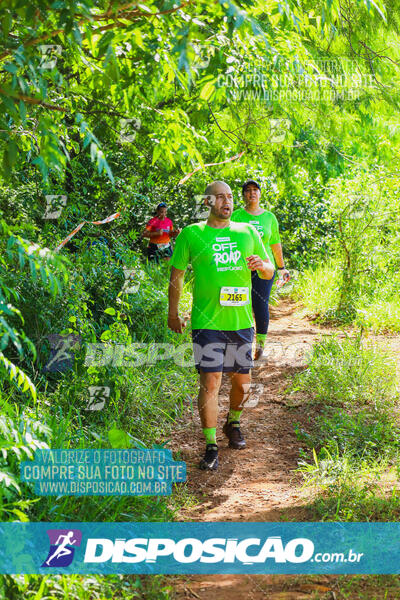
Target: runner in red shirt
[[159, 230]]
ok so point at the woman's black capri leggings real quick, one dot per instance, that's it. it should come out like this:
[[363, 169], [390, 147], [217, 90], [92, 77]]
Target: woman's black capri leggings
[[260, 293]]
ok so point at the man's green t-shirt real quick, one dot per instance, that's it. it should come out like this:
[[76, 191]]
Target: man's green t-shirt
[[266, 225], [218, 258]]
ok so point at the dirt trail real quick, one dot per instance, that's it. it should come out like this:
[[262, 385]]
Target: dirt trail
[[259, 482], [256, 587]]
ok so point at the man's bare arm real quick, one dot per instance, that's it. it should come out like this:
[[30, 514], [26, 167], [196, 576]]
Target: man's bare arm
[[174, 293]]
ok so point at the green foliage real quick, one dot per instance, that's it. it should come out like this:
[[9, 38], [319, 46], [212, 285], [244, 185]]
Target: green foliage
[[95, 587], [200, 89], [160, 67], [144, 401], [41, 262], [20, 436], [306, 227], [360, 282], [91, 69], [368, 229]]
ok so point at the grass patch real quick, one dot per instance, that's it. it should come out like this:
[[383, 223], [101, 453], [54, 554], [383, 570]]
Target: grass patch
[[344, 587], [318, 290], [352, 443], [357, 501], [377, 307], [368, 587], [380, 316], [346, 372]]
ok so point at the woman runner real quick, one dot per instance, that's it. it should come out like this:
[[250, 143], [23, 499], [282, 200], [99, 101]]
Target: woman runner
[[159, 230], [267, 226]]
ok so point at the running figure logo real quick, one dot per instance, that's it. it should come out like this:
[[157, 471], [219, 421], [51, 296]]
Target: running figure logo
[[61, 551], [61, 351]]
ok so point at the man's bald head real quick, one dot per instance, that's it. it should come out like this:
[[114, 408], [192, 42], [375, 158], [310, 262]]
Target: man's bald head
[[217, 187], [219, 198]]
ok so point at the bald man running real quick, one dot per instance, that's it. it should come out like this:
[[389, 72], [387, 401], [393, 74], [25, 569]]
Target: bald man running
[[223, 254]]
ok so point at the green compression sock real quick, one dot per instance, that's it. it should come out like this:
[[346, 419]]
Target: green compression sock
[[234, 415], [210, 433], [260, 339]]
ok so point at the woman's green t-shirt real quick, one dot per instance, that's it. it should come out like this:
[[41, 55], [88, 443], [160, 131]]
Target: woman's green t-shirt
[[266, 225]]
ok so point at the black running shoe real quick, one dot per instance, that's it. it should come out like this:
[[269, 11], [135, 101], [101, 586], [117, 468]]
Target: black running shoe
[[210, 459], [233, 433]]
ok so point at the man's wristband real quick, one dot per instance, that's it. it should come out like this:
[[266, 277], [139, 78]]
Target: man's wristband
[[281, 268]]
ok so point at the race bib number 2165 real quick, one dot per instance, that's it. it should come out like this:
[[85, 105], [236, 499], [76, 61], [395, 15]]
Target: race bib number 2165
[[234, 296]]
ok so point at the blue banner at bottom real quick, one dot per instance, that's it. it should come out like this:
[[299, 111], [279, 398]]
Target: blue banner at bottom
[[190, 548]]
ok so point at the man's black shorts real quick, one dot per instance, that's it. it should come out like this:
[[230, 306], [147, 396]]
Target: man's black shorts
[[228, 351]]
